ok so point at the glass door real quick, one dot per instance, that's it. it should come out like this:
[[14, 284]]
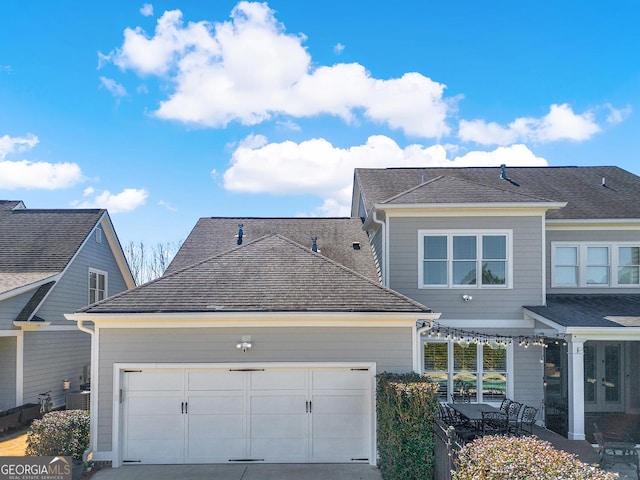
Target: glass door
[[603, 379]]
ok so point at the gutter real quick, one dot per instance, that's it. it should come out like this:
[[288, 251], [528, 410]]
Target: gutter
[[383, 266], [93, 399]]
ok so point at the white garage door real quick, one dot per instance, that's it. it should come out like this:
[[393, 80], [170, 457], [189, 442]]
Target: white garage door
[[247, 415]]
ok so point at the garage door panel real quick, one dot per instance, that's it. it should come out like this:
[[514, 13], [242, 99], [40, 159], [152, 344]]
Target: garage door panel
[[340, 450], [337, 426], [214, 380], [159, 403], [158, 450], [279, 449], [216, 450], [215, 403], [340, 379], [146, 380], [279, 426], [277, 404], [339, 404], [287, 379], [149, 427]]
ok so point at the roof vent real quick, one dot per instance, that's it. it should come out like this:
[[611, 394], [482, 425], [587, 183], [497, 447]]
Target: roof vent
[[604, 182], [356, 245], [503, 175], [314, 244], [240, 234]]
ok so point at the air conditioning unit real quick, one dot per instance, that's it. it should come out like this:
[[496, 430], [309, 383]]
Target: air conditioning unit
[[78, 400]]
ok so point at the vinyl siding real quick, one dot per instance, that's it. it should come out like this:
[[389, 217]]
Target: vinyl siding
[[72, 291], [49, 358], [390, 348], [7, 372], [487, 303], [611, 236], [528, 375], [11, 307]]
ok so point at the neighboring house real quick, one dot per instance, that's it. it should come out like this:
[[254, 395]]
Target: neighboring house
[[514, 258], [51, 262], [261, 343]]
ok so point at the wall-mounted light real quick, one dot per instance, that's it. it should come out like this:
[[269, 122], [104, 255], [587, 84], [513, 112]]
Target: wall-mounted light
[[467, 298], [244, 344]]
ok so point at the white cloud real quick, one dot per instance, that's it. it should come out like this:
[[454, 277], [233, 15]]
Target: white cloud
[[28, 174], [561, 123], [250, 70], [41, 175], [167, 205], [116, 89], [16, 144], [127, 200], [88, 191], [147, 10], [317, 167], [617, 115], [338, 48]]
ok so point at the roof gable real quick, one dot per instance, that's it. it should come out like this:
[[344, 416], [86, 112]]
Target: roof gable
[[269, 274], [581, 188], [450, 189], [335, 239]]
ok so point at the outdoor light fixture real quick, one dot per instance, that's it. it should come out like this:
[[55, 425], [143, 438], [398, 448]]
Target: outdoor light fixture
[[467, 298], [244, 344]]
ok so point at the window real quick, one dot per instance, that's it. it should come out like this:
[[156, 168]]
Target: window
[[97, 285], [466, 368], [464, 259], [595, 265]]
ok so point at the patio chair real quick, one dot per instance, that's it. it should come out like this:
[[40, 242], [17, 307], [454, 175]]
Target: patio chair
[[527, 420], [504, 406], [612, 452], [464, 429], [513, 412], [495, 423]]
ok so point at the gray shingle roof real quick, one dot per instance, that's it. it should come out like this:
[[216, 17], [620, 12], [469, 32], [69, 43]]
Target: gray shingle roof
[[591, 310], [335, 237], [269, 274], [34, 302], [580, 187], [33, 240]]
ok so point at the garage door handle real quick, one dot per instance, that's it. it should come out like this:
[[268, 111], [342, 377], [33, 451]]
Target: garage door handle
[[182, 407], [308, 406]]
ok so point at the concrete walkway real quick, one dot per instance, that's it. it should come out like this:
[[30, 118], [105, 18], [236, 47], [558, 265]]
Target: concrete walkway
[[241, 472]]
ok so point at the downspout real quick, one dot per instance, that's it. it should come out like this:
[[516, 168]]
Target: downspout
[[93, 400], [383, 266]]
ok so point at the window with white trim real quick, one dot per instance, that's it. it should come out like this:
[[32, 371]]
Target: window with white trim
[[595, 264], [97, 285], [477, 371], [464, 259]]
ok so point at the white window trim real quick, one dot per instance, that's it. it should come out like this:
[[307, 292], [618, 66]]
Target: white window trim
[[106, 282], [479, 370], [476, 233], [582, 264]]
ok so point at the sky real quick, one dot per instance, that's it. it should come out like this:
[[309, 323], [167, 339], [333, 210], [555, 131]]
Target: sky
[[168, 111]]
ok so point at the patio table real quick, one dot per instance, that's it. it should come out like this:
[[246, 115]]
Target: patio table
[[473, 411]]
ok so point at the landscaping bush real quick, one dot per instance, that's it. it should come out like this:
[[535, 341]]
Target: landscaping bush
[[519, 458], [406, 408], [64, 433]]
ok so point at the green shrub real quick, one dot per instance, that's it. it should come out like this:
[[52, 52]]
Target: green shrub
[[519, 458], [406, 407], [64, 433]]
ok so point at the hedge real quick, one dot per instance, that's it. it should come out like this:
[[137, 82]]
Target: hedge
[[520, 458], [406, 408], [64, 433]]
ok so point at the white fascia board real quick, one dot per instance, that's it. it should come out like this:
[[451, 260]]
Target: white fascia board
[[550, 323], [460, 209], [591, 333], [32, 286], [488, 323], [116, 248], [252, 319], [594, 224]]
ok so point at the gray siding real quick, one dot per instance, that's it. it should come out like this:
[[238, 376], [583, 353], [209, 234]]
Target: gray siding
[[487, 303], [390, 348], [7, 372], [49, 358], [528, 375], [11, 307], [612, 236], [72, 291]]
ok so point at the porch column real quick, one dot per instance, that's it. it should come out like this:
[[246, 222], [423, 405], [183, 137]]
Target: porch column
[[576, 388]]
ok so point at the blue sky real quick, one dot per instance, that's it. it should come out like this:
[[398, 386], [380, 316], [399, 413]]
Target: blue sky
[[165, 112]]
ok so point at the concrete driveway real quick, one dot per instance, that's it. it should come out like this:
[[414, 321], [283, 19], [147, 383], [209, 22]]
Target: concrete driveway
[[241, 472]]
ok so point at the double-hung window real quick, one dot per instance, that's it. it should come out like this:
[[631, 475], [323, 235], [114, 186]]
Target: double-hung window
[[97, 285], [464, 259], [477, 371], [595, 264]]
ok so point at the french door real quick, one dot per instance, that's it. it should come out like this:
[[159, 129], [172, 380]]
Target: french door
[[603, 377]]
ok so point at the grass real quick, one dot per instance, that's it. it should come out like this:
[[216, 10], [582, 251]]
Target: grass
[[13, 444]]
